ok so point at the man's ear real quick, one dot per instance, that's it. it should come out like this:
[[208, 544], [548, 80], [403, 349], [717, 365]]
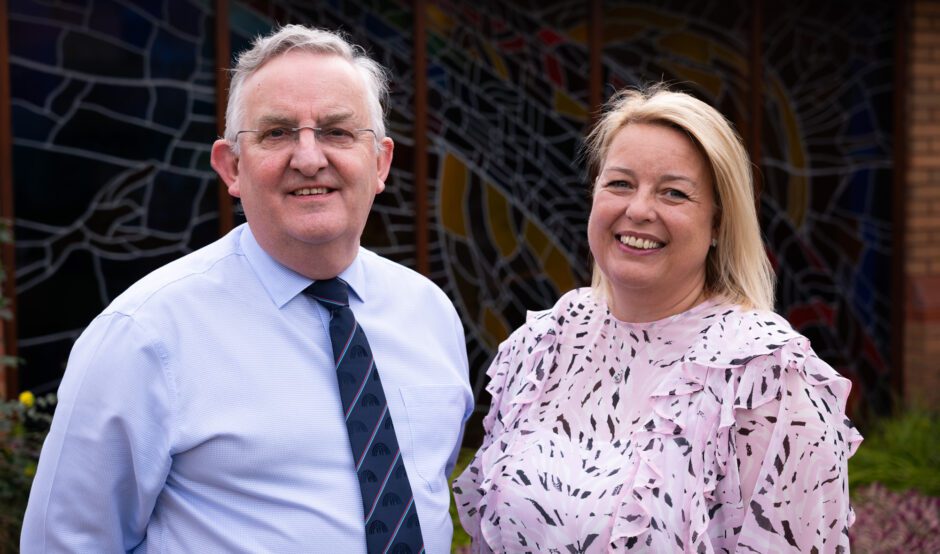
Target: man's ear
[[225, 163], [384, 162]]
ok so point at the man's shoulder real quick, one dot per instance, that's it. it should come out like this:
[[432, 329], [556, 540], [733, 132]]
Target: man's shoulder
[[179, 280], [393, 273]]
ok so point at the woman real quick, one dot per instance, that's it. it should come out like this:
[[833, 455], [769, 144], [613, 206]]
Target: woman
[[666, 408]]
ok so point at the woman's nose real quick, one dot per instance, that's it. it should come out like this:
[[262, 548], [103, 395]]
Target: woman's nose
[[641, 206]]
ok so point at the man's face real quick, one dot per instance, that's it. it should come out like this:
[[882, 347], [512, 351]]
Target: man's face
[[305, 198]]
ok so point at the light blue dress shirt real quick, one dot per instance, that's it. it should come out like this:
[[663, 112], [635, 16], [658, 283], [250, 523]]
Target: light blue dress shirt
[[199, 412]]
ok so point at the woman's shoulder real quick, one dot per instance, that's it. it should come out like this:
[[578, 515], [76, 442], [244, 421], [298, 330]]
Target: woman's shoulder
[[577, 305], [745, 356], [732, 335]]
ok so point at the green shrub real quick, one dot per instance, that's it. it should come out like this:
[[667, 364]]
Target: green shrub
[[23, 427], [902, 453]]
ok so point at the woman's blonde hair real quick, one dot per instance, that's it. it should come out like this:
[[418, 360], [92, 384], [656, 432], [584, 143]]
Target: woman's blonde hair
[[738, 267]]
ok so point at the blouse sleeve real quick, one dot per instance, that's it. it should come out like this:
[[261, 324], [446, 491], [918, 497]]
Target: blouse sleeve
[[516, 377], [793, 454]]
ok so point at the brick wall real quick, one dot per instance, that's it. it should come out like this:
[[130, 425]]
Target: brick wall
[[922, 206]]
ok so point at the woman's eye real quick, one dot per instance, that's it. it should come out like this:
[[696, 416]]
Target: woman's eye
[[619, 184], [677, 194]]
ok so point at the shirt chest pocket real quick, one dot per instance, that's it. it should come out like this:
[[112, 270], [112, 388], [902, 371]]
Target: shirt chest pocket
[[435, 421]]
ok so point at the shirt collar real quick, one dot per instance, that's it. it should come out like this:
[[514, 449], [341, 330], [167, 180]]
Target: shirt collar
[[283, 283]]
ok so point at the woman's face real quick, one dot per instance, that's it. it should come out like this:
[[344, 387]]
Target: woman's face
[[653, 216]]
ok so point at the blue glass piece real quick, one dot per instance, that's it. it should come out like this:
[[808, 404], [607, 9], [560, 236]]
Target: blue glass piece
[[184, 17], [855, 197], [121, 22], [200, 132], [181, 156], [66, 97], [76, 180], [172, 105], [96, 132], [176, 190], [89, 54], [32, 85], [47, 10], [34, 41], [153, 7], [861, 122], [46, 358], [27, 124], [378, 28], [126, 99], [171, 57], [877, 265], [882, 203], [245, 24], [203, 107], [201, 161]]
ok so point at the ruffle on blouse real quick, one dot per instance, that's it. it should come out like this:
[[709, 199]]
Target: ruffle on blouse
[[540, 326], [504, 419], [729, 381]]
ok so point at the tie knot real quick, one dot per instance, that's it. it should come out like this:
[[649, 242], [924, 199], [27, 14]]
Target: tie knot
[[331, 293]]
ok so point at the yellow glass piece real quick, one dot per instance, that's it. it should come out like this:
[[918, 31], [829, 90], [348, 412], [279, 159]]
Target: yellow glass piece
[[558, 270], [579, 33], [731, 57], [687, 45], [566, 105], [797, 184], [708, 81], [500, 220], [536, 239], [453, 192], [496, 60], [616, 31], [438, 20], [495, 328], [645, 17]]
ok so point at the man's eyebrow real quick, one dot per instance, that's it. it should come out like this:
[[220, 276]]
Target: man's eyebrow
[[328, 120], [275, 121], [334, 118]]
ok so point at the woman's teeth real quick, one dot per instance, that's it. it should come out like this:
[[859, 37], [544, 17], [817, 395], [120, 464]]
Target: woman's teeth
[[642, 244]]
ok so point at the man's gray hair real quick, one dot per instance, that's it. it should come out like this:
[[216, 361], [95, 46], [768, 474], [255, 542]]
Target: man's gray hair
[[316, 41]]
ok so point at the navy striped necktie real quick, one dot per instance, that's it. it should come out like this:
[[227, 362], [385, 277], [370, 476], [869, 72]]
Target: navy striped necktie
[[391, 521]]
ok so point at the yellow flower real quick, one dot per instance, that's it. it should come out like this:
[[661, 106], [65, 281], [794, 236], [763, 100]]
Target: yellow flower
[[27, 399], [30, 470]]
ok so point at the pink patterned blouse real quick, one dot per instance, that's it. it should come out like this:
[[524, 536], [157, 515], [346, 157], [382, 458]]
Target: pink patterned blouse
[[714, 430]]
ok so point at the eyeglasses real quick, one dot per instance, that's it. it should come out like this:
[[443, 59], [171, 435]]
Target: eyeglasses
[[277, 138]]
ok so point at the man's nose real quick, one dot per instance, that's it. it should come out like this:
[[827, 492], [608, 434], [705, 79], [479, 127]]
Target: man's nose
[[308, 156]]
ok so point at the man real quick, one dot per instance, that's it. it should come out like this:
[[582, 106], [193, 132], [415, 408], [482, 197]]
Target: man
[[205, 409]]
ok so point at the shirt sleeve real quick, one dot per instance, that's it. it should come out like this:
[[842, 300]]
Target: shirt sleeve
[[107, 454], [460, 347], [793, 462]]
